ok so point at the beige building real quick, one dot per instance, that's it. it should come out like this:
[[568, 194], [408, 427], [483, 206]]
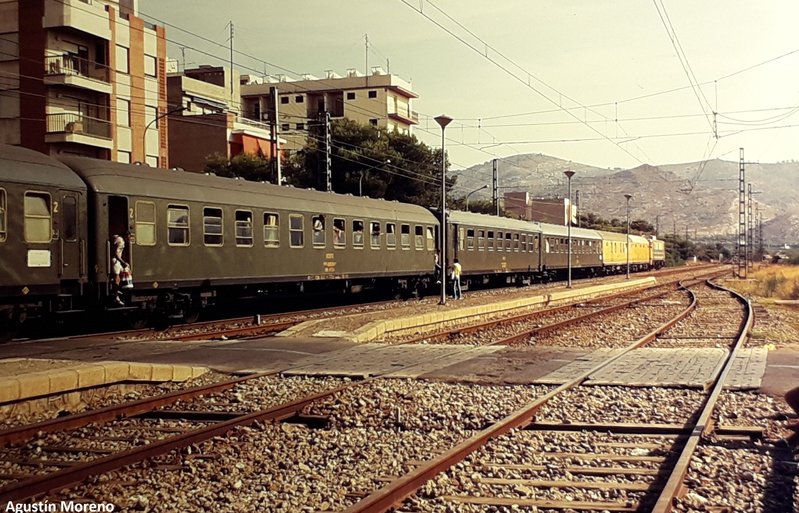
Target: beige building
[[210, 121], [545, 210], [83, 77], [379, 99]]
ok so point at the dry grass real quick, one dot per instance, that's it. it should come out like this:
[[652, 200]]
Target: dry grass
[[774, 282]]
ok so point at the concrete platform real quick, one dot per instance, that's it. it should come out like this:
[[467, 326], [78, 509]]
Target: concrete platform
[[58, 377]]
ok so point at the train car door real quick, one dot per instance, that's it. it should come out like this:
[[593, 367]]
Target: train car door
[[67, 214], [119, 224]]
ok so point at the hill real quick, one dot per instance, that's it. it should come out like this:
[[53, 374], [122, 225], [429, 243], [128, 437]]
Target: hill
[[700, 198]]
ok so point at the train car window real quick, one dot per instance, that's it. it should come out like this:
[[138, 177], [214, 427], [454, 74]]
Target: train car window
[[523, 238], [177, 224], [357, 233], [430, 239], [38, 217], [212, 226], [418, 237], [481, 241], [374, 229], [546, 247], [69, 209], [243, 228], [490, 240], [516, 242], [470, 239], [405, 236], [145, 223], [461, 238], [318, 230], [296, 231], [339, 233], [508, 239], [271, 230], [3, 221], [391, 235]]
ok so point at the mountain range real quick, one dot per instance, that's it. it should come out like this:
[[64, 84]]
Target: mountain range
[[700, 199]]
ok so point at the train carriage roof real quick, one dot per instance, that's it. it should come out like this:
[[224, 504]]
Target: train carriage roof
[[21, 165], [558, 230], [638, 239], [614, 236], [180, 186], [488, 221]]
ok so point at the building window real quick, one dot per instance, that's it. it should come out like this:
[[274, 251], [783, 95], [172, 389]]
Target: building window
[[357, 233], [150, 66], [373, 122], [339, 233], [299, 99], [151, 160], [151, 116], [123, 112], [3, 221], [38, 217], [271, 230], [285, 127], [212, 226], [296, 229], [122, 59], [177, 225], [243, 228], [123, 156], [350, 96], [284, 99], [145, 223], [372, 94], [300, 126]]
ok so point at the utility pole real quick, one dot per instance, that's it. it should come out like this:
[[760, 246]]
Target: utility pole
[[276, 135], [328, 170], [657, 225], [577, 205], [366, 48], [749, 225], [231, 64], [741, 253], [495, 186]]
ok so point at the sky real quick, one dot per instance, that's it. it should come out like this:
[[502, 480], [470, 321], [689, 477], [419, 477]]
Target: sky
[[608, 84]]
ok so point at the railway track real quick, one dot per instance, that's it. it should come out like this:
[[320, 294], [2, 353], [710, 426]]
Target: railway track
[[189, 426], [507, 447]]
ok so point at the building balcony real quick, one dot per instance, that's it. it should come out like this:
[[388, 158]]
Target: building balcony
[[71, 70], [411, 118], [84, 15], [78, 129]]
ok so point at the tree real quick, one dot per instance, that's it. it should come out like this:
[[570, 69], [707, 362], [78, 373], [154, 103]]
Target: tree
[[244, 165], [371, 161]]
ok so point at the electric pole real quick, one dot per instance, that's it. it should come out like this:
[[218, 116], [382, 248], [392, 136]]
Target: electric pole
[[495, 182]]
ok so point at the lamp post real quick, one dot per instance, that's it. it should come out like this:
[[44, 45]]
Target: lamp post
[[569, 175], [443, 121], [628, 196], [147, 127], [476, 190]]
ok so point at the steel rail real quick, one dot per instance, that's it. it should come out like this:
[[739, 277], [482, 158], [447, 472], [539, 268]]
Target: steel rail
[[25, 432], [703, 425], [385, 498]]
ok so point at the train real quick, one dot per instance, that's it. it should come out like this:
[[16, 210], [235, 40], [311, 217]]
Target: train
[[196, 239]]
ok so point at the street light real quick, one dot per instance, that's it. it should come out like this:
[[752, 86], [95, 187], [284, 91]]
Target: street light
[[147, 127], [443, 121], [478, 189], [628, 196], [569, 175]]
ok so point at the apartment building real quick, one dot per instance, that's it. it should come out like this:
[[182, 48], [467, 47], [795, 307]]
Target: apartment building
[[83, 77], [208, 120], [379, 99], [545, 210]]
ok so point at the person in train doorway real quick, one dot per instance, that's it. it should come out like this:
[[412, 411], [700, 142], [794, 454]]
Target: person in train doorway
[[457, 293], [120, 271], [437, 269]]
